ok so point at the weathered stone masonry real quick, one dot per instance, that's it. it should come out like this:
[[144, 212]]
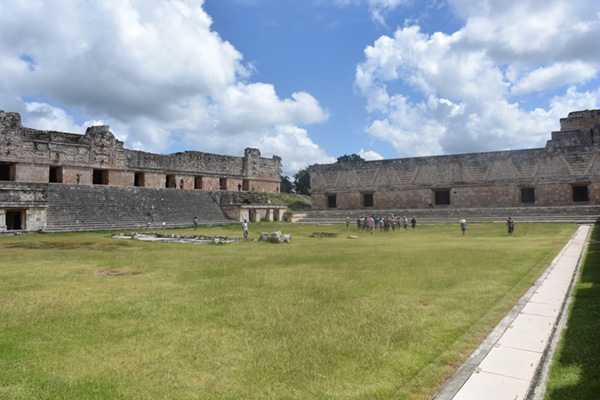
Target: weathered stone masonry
[[565, 172], [98, 158]]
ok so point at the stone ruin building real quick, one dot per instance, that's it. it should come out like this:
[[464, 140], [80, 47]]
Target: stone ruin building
[[56, 181], [565, 173]]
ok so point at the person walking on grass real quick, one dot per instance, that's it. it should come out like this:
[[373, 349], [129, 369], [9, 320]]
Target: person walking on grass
[[371, 225], [463, 226], [245, 228], [510, 224], [347, 223], [413, 223], [195, 223]]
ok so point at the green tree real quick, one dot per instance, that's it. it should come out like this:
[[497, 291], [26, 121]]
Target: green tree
[[286, 185], [348, 158], [302, 182]]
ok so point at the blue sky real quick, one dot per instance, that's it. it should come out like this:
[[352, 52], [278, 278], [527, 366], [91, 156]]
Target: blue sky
[[307, 80]]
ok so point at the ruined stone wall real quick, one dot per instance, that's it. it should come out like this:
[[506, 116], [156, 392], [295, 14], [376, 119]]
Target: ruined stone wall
[[571, 158], [580, 120], [31, 154]]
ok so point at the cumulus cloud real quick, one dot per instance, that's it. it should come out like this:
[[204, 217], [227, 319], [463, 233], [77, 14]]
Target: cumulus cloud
[[465, 91], [556, 75], [153, 70], [370, 155]]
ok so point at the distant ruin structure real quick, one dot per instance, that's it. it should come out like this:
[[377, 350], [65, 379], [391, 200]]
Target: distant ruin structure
[[43, 173], [564, 173]]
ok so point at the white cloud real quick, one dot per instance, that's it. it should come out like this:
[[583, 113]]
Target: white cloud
[[295, 147], [379, 8], [45, 117], [370, 155], [453, 93], [554, 76], [151, 69], [252, 106]]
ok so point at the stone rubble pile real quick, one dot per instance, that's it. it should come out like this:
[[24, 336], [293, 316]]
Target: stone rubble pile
[[275, 237]]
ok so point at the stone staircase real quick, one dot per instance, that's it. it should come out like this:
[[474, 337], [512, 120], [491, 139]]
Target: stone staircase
[[569, 214], [86, 208]]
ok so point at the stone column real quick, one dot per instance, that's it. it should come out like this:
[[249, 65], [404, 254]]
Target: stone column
[[279, 214], [255, 215], [269, 215], [2, 220]]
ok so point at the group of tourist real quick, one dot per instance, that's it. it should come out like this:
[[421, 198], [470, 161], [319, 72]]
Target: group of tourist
[[382, 224]]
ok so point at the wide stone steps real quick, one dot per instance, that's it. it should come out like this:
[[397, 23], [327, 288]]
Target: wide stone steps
[[82, 208], [570, 214]]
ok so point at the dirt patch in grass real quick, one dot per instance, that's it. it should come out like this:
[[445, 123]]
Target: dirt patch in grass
[[104, 272], [49, 245]]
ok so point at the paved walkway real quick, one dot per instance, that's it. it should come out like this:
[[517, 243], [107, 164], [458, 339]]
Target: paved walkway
[[512, 362]]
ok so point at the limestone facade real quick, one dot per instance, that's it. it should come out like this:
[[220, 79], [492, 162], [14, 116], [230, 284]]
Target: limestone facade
[[30, 156], [565, 172]]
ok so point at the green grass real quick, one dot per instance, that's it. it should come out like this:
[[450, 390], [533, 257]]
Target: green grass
[[575, 373], [385, 316]]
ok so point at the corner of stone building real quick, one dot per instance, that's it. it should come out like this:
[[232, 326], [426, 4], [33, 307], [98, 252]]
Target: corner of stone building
[[10, 120]]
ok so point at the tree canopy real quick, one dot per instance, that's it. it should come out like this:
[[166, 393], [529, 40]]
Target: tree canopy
[[348, 158], [286, 185], [302, 182]]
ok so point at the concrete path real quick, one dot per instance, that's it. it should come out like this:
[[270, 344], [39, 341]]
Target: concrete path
[[513, 361]]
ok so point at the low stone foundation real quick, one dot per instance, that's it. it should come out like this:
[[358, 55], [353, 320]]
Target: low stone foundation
[[172, 238]]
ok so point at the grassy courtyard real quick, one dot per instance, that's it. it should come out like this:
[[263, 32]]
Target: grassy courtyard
[[384, 316]]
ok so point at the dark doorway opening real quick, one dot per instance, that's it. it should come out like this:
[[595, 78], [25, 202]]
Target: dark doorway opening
[[368, 200], [198, 182], [139, 179], [223, 184], [7, 172], [56, 175], [527, 195], [332, 201], [442, 197], [171, 182], [100, 177], [14, 220], [580, 194]]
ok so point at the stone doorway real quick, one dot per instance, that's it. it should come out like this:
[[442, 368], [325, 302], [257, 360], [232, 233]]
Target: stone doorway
[[7, 172], [15, 220]]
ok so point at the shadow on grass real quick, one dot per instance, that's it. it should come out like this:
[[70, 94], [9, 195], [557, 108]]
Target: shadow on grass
[[576, 370]]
